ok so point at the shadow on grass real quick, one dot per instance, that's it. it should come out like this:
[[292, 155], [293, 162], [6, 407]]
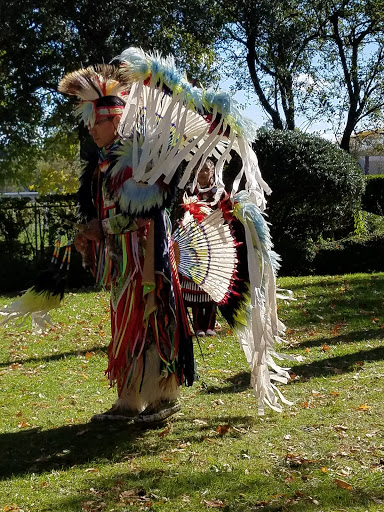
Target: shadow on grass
[[39, 451], [347, 338], [325, 367], [238, 383], [54, 357], [62, 448], [338, 364], [148, 489]]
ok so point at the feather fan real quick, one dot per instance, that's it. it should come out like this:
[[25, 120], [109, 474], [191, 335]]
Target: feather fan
[[207, 250]]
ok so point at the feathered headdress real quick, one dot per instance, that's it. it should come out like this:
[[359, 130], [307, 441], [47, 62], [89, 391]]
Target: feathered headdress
[[92, 83]]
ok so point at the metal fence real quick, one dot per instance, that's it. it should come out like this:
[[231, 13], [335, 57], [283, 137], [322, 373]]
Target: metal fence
[[29, 229], [34, 224]]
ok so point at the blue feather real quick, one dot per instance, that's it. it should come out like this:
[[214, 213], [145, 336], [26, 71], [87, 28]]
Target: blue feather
[[137, 58], [138, 198]]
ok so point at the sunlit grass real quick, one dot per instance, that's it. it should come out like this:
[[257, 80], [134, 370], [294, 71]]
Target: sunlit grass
[[323, 453]]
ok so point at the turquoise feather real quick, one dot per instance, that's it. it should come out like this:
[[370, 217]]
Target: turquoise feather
[[138, 198]]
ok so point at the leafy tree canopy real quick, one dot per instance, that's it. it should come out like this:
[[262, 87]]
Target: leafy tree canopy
[[321, 60], [44, 39]]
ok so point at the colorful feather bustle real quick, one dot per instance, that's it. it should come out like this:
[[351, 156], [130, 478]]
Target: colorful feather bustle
[[167, 121], [44, 295], [207, 249]]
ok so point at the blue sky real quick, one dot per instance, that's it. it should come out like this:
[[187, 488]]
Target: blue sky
[[251, 108]]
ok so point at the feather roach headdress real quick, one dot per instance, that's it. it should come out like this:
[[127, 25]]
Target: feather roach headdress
[[91, 84]]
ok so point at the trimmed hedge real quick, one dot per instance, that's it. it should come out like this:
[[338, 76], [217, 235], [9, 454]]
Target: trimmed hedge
[[350, 256], [316, 190]]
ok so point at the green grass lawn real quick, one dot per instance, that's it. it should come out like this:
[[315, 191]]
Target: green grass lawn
[[323, 453]]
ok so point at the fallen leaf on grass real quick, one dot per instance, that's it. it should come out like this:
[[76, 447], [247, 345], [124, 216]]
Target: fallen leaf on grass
[[130, 493], [297, 460], [223, 429], [93, 506], [199, 422], [334, 393], [363, 407], [9, 508], [135, 495], [91, 470], [23, 424], [342, 484], [214, 503], [325, 348], [88, 355], [165, 431]]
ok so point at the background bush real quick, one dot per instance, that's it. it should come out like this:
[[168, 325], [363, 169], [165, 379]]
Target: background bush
[[28, 231], [316, 190], [373, 198], [349, 256]]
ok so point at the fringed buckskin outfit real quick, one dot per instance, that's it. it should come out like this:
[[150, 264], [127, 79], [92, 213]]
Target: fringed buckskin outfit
[[151, 353]]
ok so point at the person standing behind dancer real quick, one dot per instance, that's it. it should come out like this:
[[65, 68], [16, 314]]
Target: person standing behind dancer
[[203, 307]]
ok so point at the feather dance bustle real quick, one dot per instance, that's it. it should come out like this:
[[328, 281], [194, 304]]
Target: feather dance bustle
[[207, 250], [170, 121], [46, 294]]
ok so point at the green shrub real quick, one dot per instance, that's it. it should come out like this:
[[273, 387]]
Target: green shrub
[[373, 197], [28, 231], [349, 256], [317, 188]]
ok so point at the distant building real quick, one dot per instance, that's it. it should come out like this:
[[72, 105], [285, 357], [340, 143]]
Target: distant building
[[372, 164], [368, 147]]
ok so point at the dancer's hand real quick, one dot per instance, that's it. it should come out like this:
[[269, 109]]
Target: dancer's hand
[[91, 230], [81, 243]]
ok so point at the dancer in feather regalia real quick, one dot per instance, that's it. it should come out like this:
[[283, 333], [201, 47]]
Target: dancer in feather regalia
[[202, 306], [153, 129]]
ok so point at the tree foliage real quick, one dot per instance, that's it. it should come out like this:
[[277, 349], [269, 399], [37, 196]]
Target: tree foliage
[[273, 40], [353, 57], [321, 60], [316, 189], [44, 39]]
